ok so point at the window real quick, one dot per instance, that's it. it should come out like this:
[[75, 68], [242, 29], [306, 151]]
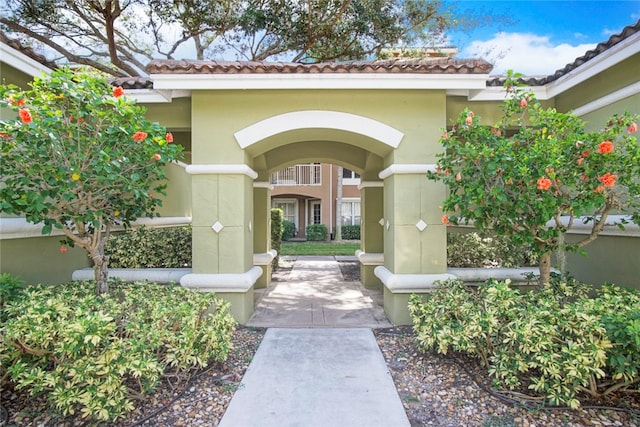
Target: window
[[289, 209], [350, 212], [316, 213], [349, 177]]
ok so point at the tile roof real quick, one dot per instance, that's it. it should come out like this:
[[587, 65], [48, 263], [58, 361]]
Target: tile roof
[[600, 48], [422, 66], [27, 51]]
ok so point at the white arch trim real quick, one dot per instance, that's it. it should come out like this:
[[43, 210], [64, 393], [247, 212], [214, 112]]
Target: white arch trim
[[318, 119]]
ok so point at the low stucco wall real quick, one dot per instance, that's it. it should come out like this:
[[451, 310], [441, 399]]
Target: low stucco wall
[[38, 259], [609, 259]]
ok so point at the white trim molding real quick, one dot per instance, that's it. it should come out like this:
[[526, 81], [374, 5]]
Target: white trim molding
[[264, 258], [22, 62], [264, 184], [407, 169], [370, 184], [222, 169], [625, 92], [409, 283], [19, 228], [369, 258], [223, 282], [318, 119], [319, 81]]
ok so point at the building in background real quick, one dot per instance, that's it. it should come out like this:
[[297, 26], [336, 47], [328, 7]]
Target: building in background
[[307, 194]]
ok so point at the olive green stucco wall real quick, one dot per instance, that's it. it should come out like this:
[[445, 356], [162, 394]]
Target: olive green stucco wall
[[38, 259]]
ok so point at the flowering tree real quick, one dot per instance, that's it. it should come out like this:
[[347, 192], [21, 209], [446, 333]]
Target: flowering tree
[[80, 158], [537, 165]]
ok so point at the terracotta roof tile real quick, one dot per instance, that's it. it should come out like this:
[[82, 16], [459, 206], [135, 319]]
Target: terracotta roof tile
[[421, 66], [27, 51], [600, 48]]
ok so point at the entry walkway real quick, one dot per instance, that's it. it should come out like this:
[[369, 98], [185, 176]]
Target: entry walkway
[[315, 295], [316, 378], [311, 375]]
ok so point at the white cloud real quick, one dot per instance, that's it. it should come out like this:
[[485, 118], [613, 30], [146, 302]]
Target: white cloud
[[525, 53]]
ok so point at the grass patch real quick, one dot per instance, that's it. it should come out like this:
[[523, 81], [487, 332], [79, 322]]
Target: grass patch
[[319, 248]]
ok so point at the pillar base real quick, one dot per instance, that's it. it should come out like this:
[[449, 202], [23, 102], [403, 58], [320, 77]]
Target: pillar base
[[236, 288]]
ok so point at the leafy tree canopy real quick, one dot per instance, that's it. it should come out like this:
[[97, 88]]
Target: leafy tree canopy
[[80, 157], [119, 37], [536, 165]]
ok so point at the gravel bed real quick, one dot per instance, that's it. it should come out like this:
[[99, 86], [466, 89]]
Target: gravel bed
[[439, 390]]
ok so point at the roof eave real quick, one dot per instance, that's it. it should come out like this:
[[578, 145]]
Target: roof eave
[[22, 62], [441, 81]]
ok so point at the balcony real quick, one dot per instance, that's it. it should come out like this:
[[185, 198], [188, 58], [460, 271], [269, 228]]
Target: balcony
[[298, 175]]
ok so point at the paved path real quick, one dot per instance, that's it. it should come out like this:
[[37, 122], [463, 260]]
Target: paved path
[[316, 378], [315, 295]]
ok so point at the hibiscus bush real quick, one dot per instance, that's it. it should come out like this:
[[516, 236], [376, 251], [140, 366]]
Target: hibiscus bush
[[556, 342], [537, 165], [95, 355], [80, 157]]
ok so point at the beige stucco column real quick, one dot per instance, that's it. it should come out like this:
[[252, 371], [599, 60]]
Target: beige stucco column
[[222, 197], [371, 232], [262, 231]]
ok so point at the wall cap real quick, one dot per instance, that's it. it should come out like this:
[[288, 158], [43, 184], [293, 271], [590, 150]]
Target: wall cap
[[370, 258], [264, 258], [406, 169], [223, 282], [222, 169]]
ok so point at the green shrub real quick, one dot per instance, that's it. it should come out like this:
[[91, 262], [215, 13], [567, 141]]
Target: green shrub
[[487, 250], [316, 232], [90, 354], [289, 230], [556, 340], [350, 232], [144, 247], [277, 229], [10, 289]]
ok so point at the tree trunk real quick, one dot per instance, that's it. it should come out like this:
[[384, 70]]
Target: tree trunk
[[100, 265], [339, 206], [545, 268]]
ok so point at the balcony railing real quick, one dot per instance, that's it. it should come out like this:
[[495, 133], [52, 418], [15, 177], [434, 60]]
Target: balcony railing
[[298, 175]]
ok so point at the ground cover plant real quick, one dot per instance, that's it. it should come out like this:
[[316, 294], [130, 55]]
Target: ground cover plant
[[144, 247], [556, 344], [95, 356], [535, 171], [80, 157]]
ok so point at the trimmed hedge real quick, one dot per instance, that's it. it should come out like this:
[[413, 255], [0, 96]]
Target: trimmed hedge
[[144, 247], [350, 232], [289, 230], [316, 232], [277, 229], [487, 250]]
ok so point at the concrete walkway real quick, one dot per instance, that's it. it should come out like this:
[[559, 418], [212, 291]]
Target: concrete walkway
[[315, 295], [313, 375], [316, 378]]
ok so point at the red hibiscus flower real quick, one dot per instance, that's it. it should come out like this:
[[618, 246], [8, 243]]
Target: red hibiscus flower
[[445, 219], [169, 137], [139, 136], [25, 115], [605, 147], [608, 179], [544, 183], [633, 128], [118, 91], [523, 103], [157, 156]]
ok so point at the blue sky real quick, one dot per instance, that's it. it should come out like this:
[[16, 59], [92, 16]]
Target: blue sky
[[547, 35]]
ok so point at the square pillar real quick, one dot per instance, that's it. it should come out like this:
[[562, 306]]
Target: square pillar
[[262, 229], [415, 240], [371, 230]]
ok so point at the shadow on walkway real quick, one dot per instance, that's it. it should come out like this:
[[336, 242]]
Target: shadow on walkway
[[316, 295]]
